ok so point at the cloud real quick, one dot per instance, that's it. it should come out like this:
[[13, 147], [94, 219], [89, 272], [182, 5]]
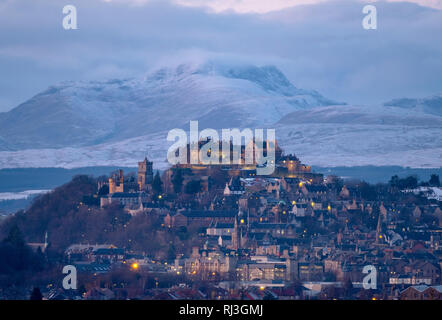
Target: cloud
[[436, 4], [265, 6], [320, 46], [246, 6]]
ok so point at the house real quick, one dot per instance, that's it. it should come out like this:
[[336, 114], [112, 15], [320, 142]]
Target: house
[[234, 187], [264, 268], [417, 212], [108, 255], [300, 209], [409, 280], [201, 217], [220, 229], [206, 217], [206, 263], [175, 220], [99, 294], [425, 270], [126, 199], [307, 271], [422, 292]]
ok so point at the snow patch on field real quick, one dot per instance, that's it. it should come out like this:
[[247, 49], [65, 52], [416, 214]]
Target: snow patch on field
[[20, 195]]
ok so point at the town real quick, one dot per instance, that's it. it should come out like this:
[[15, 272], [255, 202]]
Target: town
[[225, 232]]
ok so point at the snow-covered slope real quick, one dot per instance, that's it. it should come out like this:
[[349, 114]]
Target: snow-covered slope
[[119, 122], [76, 114], [323, 136], [352, 135], [430, 105]]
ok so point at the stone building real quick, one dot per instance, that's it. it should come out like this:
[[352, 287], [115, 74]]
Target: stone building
[[145, 174]]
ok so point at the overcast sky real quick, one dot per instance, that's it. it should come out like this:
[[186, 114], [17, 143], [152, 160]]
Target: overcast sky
[[319, 45]]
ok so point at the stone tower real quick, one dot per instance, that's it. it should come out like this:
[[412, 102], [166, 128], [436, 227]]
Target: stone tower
[[116, 184], [145, 173]]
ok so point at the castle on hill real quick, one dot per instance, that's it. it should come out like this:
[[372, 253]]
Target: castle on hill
[[133, 192], [129, 193], [286, 166], [144, 179]]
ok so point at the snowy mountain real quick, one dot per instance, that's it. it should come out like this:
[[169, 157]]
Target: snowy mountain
[[431, 105], [118, 122], [355, 135], [76, 114]]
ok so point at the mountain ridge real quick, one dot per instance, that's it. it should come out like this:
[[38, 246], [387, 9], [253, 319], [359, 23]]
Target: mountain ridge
[[430, 105], [119, 121], [76, 114]]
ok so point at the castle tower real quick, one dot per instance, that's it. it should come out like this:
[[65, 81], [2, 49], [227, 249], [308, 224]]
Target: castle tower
[[121, 177], [145, 173], [113, 186]]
